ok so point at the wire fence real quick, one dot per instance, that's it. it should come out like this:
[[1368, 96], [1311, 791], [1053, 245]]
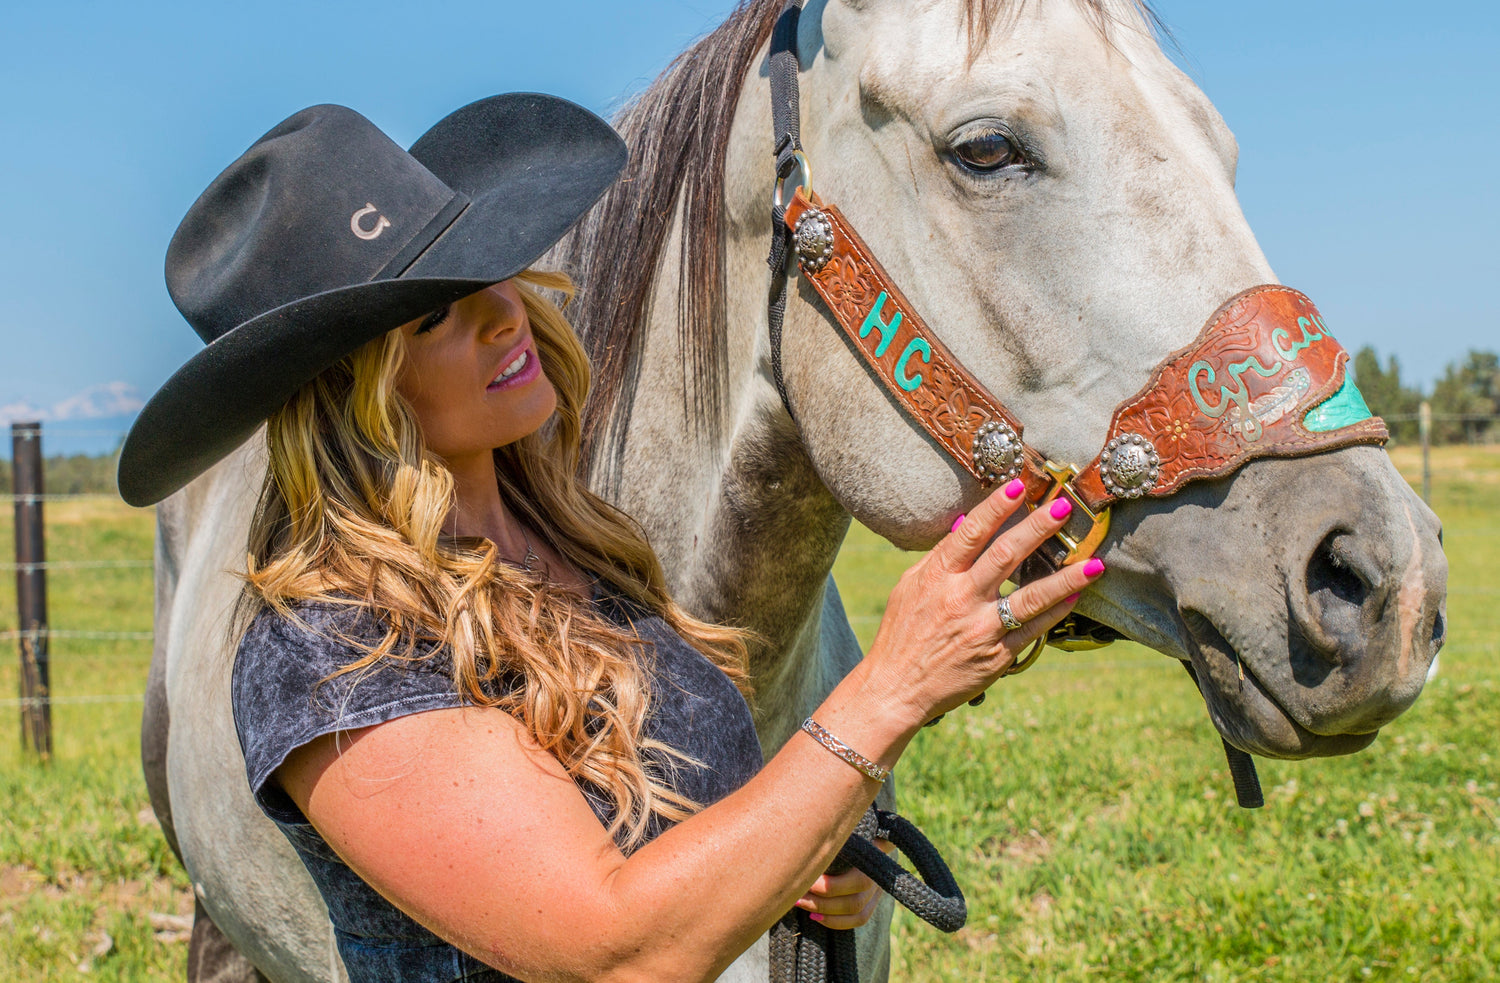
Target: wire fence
[[29, 702], [77, 565], [34, 638], [68, 497], [1447, 417], [145, 636], [88, 649], [34, 429]]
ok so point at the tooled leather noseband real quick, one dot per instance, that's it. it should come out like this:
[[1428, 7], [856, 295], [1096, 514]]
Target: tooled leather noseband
[[1264, 378]]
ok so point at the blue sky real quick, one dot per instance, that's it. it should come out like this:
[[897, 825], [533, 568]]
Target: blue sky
[[1368, 146]]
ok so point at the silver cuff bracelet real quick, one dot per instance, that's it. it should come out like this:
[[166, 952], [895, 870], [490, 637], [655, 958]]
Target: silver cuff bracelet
[[846, 753]]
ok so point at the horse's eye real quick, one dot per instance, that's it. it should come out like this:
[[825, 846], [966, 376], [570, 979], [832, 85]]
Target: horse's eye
[[986, 150]]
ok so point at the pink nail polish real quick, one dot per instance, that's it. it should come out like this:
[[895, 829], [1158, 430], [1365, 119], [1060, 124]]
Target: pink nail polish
[[957, 522], [1071, 598], [815, 917], [1094, 567], [1015, 488], [1060, 508]]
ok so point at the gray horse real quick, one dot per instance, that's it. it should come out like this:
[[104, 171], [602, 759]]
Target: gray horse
[[1307, 594]]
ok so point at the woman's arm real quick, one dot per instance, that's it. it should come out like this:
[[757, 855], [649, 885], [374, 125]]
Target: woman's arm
[[462, 821]]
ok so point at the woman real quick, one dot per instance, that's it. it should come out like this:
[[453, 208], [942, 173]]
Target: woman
[[463, 692]]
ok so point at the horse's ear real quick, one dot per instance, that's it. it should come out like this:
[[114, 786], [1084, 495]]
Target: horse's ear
[[810, 38], [858, 6], [828, 24]]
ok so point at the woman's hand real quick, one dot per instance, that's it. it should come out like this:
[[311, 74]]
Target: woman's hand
[[844, 901], [941, 641]]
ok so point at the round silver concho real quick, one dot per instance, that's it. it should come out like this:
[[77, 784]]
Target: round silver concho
[[1129, 466], [813, 240], [997, 451]]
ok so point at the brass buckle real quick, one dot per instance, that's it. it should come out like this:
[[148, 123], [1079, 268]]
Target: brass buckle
[[1062, 484], [1064, 635]]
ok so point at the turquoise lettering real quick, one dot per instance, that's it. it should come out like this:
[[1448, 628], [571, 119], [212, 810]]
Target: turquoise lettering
[[1278, 342], [887, 331], [1231, 394], [1199, 368], [1279, 338], [1238, 368], [915, 346]]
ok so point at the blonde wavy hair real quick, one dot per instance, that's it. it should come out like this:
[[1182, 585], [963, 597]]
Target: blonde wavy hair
[[353, 511]]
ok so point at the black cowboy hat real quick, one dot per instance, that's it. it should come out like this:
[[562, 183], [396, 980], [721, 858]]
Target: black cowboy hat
[[325, 234]]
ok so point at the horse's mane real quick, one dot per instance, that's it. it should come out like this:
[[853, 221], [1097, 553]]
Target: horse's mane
[[677, 131]]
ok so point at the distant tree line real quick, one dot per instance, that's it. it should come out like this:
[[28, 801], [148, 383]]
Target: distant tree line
[[72, 474], [1465, 401]]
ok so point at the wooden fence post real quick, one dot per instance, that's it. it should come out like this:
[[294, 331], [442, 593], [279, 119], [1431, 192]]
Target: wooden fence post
[[31, 588], [1424, 424]]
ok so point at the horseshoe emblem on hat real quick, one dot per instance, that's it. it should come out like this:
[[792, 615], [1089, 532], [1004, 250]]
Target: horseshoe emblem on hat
[[381, 222]]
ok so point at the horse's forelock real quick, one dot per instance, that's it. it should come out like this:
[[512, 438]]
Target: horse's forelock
[[678, 131], [982, 17]]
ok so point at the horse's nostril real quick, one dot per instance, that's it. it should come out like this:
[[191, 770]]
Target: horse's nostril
[[1334, 586], [1439, 631]]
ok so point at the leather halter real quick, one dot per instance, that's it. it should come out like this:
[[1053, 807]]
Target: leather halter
[[1263, 379]]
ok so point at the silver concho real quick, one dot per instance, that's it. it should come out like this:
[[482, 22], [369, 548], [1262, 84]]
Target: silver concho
[[1129, 466], [997, 451], [813, 240]]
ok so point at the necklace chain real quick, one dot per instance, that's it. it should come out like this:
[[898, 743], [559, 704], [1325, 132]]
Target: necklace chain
[[529, 560]]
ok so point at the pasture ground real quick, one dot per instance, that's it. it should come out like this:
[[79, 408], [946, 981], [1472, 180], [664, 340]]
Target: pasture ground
[[1086, 807]]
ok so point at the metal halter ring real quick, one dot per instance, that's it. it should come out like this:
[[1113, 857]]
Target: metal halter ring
[[785, 186], [1030, 659], [1007, 618]]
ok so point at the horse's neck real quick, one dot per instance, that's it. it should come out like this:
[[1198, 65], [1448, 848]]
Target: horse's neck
[[747, 534], [745, 528]]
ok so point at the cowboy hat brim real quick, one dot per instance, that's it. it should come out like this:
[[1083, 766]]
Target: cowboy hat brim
[[531, 164]]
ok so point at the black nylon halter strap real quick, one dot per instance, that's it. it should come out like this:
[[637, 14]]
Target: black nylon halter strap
[[803, 951], [1241, 764], [786, 122]]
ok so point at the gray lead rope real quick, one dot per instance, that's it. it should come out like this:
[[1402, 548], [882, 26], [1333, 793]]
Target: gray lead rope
[[803, 951]]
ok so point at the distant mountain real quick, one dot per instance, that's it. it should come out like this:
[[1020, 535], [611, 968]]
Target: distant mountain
[[93, 421]]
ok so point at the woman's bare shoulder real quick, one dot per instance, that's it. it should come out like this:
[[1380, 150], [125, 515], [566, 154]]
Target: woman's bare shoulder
[[445, 813]]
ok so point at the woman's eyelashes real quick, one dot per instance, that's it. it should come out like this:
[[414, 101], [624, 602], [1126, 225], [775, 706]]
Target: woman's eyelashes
[[434, 319]]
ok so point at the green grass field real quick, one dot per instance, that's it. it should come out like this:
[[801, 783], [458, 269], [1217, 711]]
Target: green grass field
[[1085, 806]]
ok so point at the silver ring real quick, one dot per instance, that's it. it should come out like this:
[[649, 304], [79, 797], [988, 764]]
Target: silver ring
[[1006, 617]]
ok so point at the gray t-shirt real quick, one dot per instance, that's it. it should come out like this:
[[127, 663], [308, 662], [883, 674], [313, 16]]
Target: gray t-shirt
[[279, 706]]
